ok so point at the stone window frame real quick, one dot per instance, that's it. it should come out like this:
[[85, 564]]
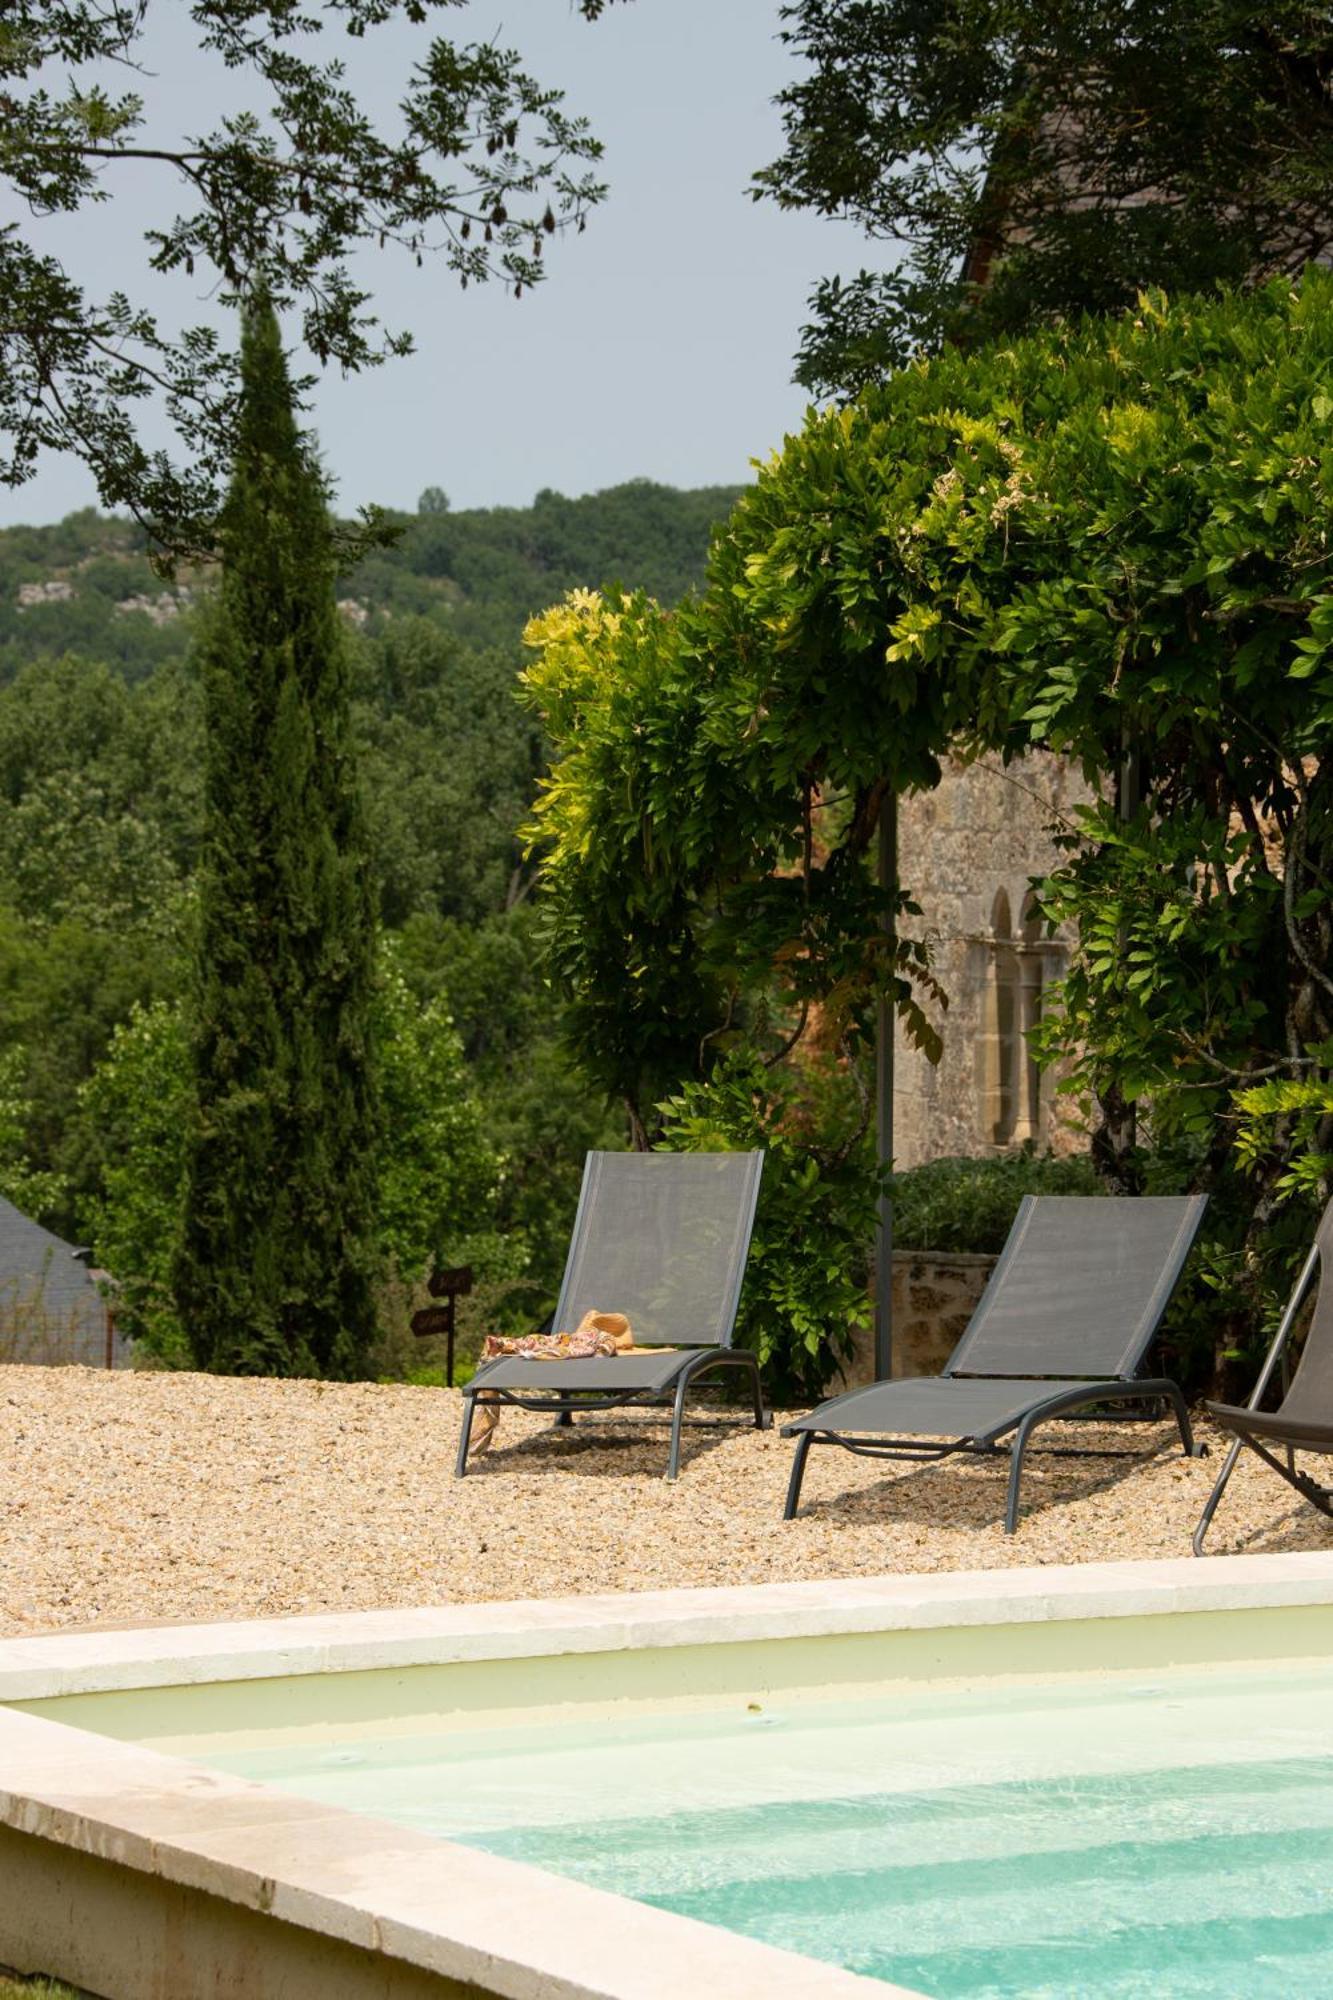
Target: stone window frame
[[1019, 964]]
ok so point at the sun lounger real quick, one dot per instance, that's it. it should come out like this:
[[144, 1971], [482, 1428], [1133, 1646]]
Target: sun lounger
[[662, 1238], [1304, 1420], [1065, 1323]]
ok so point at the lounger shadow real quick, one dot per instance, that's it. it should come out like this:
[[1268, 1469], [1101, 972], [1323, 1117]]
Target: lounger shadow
[[1304, 1421], [663, 1238], [1066, 1322]]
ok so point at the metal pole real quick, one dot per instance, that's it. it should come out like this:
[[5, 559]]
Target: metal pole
[[1129, 790], [888, 882]]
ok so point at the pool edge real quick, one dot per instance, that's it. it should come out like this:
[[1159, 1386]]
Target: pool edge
[[159, 1835], [89, 1661]]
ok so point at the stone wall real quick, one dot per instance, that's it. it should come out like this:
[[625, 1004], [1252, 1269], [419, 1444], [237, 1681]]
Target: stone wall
[[967, 853], [934, 1296]]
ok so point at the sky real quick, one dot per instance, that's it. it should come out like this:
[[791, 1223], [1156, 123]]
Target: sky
[[660, 346]]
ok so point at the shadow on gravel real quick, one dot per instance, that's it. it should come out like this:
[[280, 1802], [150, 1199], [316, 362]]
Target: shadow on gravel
[[969, 1492], [602, 1449]]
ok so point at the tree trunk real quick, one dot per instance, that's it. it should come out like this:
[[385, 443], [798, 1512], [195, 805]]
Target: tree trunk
[[1115, 1143]]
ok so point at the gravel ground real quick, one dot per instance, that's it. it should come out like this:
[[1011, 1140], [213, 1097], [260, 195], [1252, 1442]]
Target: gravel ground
[[128, 1498]]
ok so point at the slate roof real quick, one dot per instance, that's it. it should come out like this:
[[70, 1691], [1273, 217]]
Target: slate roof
[[50, 1309]]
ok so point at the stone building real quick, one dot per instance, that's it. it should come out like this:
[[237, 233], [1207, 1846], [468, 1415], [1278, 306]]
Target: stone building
[[968, 853]]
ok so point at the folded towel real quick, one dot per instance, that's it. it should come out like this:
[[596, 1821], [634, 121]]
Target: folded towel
[[597, 1334]]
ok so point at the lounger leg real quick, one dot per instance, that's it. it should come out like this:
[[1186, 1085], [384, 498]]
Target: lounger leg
[[803, 1444], [763, 1419], [677, 1418], [1309, 1489], [1219, 1486], [1020, 1445], [565, 1417], [1188, 1446], [465, 1436]]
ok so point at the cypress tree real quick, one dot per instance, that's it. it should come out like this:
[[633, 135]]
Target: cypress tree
[[275, 1271]]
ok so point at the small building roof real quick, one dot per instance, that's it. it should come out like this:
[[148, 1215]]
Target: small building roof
[[50, 1307]]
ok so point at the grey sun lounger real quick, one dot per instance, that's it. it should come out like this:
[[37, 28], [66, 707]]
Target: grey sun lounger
[[1065, 1322], [663, 1238], [1304, 1419]]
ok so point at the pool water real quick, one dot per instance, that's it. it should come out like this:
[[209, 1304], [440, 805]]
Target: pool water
[[1106, 1837]]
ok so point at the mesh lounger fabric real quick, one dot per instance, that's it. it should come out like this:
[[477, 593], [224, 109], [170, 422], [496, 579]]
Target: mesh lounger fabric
[[1274, 1427], [931, 1406], [1080, 1286], [1076, 1297], [662, 1238], [1306, 1413]]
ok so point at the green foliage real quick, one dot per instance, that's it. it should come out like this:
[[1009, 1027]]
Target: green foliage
[[1038, 161], [439, 1168], [484, 167], [63, 989], [1105, 536], [448, 768], [1185, 607], [807, 1283], [1294, 1118], [968, 1205], [1096, 538], [689, 895], [138, 1103], [36, 1191], [486, 571], [539, 1114], [275, 1267], [623, 710], [97, 824], [437, 1173]]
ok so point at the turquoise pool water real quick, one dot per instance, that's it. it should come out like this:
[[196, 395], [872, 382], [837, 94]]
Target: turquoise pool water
[[1128, 1837]]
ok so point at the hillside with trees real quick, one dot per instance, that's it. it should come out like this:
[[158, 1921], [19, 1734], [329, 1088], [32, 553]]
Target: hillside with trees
[[86, 585]]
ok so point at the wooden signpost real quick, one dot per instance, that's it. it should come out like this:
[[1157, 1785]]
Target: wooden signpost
[[451, 1285]]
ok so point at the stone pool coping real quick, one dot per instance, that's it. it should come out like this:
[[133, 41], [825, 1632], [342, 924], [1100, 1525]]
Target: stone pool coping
[[177, 1851], [96, 1660]]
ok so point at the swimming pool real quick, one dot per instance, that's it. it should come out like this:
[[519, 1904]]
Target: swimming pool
[[1107, 1835], [1107, 1781]]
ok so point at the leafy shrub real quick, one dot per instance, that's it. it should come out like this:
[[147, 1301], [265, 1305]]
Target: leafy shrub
[[136, 1101], [807, 1281], [967, 1206], [437, 1177]]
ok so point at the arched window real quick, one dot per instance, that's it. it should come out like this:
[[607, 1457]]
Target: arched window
[[1031, 977]]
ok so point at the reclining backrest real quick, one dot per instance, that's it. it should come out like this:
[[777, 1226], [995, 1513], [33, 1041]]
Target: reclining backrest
[[662, 1237], [1080, 1287], [1310, 1397]]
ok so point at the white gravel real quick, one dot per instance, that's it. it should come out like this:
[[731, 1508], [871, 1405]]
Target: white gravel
[[129, 1498]]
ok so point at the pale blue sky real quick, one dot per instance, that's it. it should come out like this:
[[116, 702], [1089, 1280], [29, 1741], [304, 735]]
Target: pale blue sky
[[661, 344]]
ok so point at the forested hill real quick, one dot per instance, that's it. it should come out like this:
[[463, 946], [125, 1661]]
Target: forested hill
[[86, 586]]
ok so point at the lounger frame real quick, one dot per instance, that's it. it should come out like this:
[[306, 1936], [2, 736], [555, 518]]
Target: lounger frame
[[1158, 1390], [698, 1368], [1063, 1398], [1278, 1361]]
